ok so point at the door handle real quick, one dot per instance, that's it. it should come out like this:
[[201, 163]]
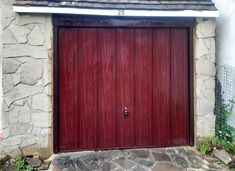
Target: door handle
[[125, 112]]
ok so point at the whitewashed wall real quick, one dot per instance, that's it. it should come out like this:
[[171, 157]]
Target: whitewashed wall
[[225, 49]]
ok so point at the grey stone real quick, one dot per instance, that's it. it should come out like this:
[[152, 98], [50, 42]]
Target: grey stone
[[20, 50], [19, 32], [140, 153], [161, 156], [24, 114], [223, 156], [125, 163], [180, 160], [8, 37], [7, 84], [10, 66], [41, 119], [34, 162], [32, 19], [138, 168], [36, 37], [206, 29], [144, 162], [21, 91], [42, 102], [167, 166], [21, 128], [31, 72]]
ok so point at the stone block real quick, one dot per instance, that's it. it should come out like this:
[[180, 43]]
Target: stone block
[[24, 114], [10, 66], [7, 83], [8, 37], [41, 119], [20, 50], [205, 125], [21, 128], [12, 141], [19, 32], [204, 106], [36, 36], [21, 91], [205, 48], [205, 67], [206, 29], [27, 19], [42, 102], [31, 72]]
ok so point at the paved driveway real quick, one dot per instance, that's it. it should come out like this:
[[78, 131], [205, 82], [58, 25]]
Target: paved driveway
[[154, 159]]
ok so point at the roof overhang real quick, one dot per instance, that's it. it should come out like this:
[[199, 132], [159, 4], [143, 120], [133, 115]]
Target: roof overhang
[[115, 12]]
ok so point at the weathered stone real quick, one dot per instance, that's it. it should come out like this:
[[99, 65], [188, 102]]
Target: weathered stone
[[47, 75], [44, 166], [29, 150], [36, 37], [205, 125], [36, 132], [13, 115], [32, 72], [19, 102], [125, 163], [144, 162], [49, 32], [167, 166], [180, 160], [32, 19], [205, 48], [16, 78], [48, 90], [4, 159], [223, 156], [21, 91], [34, 162], [41, 119], [204, 107], [10, 66], [6, 132], [12, 141], [19, 32], [206, 29], [21, 128], [8, 38], [138, 168], [24, 114], [7, 84], [11, 51], [205, 67], [161, 156], [42, 102], [140, 153]]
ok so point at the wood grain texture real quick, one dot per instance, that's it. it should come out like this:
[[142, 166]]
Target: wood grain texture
[[104, 70], [125, 87], [106, 116], [143, 87], [67, 119], [87, 88], [161, 88], [179, 87]]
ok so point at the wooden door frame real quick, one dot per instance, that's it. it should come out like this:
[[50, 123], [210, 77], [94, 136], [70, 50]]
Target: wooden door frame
[[138, 22]]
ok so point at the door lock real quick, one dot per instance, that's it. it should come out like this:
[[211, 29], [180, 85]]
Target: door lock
[[126, 113]]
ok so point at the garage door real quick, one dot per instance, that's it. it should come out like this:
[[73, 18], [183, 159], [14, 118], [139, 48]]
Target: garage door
[[123, 88]]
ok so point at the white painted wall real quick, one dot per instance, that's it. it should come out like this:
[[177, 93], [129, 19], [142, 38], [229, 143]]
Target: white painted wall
[[226, 32], [225, 49]]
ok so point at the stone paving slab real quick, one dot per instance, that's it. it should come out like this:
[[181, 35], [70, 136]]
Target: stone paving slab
[[151, 159]]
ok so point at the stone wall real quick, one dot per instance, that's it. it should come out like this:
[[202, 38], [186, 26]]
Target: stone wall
[[27, 82], [204, 62]]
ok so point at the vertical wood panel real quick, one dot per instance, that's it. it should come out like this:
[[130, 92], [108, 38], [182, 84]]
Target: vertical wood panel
[[67, 128], [125, 87], [179, 87], [87, 88], [161, 88], [143, 86], [106, 123]]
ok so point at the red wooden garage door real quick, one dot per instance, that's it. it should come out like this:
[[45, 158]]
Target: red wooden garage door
[[123, 87]]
